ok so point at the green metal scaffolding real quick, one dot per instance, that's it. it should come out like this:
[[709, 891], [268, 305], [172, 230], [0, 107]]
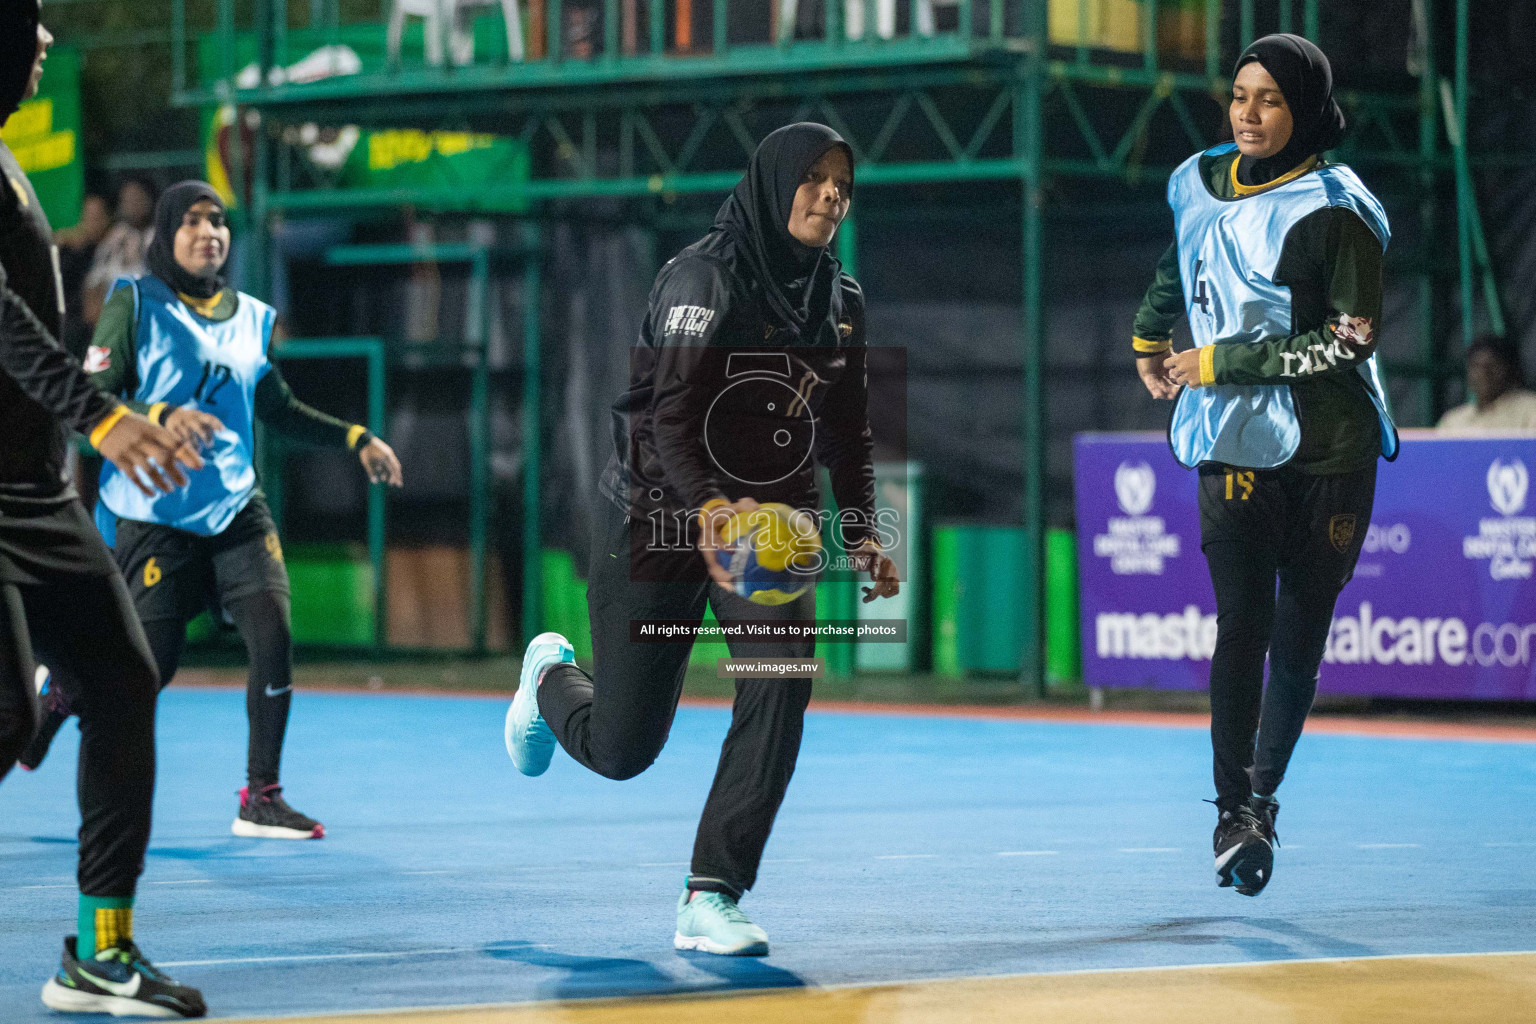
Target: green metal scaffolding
[[967, 103]]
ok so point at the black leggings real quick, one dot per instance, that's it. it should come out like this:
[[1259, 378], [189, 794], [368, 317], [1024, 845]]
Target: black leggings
[[616, 721], [85, 626], [1257, 528], [263, 621]]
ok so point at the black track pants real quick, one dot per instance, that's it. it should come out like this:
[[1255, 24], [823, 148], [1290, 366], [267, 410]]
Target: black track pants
[[616, 721], [1259, 528], [85, 628]]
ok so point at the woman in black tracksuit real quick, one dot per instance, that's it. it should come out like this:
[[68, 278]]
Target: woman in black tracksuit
[[750, 369]]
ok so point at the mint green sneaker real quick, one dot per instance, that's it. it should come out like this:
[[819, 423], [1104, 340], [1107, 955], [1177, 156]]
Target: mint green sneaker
[[711, 922], [530, 743]]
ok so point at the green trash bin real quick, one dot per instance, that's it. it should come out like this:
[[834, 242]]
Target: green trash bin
[[979, 601]]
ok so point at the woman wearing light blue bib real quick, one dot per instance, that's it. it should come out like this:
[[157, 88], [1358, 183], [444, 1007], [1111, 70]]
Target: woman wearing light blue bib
[[1279, 406], [191, 354]]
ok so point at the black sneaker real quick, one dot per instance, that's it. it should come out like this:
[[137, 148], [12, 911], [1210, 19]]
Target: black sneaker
[[120, 981], [266, 815], [1245, 854]]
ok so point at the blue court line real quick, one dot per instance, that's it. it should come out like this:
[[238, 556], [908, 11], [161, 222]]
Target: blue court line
[[909, 847]]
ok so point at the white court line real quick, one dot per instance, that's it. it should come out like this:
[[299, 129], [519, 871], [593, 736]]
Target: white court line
[[1028, 853], [666, 864], [185, 881], [45, 887], [1386, 846], [906, 856], [1149, 849], [788, 860]]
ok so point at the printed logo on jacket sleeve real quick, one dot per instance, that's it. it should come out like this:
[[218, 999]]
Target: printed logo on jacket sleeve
[[688, 321]]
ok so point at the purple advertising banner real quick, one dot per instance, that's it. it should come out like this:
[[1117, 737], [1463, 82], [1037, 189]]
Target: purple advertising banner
[[1443, 602]]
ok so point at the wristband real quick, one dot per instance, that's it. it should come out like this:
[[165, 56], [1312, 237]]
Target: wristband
[[1144, 347], [357, 436], [102, 429], [1208, 366], [157, 413]]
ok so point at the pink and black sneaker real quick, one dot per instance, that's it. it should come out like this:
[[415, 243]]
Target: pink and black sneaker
[[266, 815]]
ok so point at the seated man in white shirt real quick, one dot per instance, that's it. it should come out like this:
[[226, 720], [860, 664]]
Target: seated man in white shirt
[[1500, 402]]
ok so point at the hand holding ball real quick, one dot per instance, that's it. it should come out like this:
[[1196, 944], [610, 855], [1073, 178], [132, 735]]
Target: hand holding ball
[[772, 553]]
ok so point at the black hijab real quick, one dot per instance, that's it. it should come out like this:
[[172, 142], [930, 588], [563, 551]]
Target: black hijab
[[797, 279], [161, 257], [1306, 80], [18, 51]]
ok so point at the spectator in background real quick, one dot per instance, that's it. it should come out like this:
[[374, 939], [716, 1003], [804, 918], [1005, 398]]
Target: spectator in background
[[1500, 403], [77, 251], [121, 253]]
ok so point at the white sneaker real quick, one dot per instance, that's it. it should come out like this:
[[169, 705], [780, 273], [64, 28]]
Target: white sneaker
[[712, 922], [530, 743]]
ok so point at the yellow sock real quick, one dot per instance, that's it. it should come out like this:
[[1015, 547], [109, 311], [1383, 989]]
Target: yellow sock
[[104, 922]]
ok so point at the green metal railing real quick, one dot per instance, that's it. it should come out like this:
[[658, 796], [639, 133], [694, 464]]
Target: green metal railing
[[1003, 57], [477, 333], [371, 350], [476, 347]]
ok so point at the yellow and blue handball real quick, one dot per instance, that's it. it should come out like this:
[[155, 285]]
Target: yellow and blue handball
[[773, 553]]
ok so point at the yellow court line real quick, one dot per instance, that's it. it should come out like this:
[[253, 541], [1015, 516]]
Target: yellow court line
[[1462, 989]]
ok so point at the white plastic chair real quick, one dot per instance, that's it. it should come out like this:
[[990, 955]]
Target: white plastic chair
[[461, 35], [853, 17]]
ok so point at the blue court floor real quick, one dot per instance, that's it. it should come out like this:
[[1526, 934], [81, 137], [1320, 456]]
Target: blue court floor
[[909, 847]]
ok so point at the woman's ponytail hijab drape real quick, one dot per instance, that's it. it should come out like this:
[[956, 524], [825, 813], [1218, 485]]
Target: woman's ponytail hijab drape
[[797, 279], [1306, 80]]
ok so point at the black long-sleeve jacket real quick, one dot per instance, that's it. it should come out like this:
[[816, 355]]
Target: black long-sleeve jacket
[[42, 387], [725, 403]]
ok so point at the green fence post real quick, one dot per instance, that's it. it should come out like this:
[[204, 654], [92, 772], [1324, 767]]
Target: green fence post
[[377, 415], [946, 601], [1031, 136], [841, 589], [532, 440], [1429, 342], [178, 46], [1149, 36], [477, 321], [1212, 38]]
